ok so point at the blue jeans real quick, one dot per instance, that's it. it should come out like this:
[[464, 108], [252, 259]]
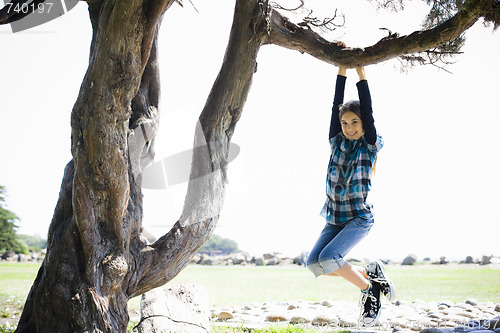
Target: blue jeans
[[334, 243]]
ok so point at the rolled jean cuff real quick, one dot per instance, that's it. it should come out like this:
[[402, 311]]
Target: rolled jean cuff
[[326, 266], [316, 269], [332, 265]]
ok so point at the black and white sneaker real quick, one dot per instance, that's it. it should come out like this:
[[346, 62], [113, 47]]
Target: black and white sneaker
[[370, 305], [377, 275]]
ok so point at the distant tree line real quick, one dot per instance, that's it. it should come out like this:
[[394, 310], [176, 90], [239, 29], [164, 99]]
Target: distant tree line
[[9, 240], [219, 245]]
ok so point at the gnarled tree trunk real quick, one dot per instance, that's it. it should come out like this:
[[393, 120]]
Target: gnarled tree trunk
[[96, 258]]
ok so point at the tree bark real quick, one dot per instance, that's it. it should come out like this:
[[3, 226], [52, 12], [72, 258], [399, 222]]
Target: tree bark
[[288, 35], [82, 285], [96, 260]]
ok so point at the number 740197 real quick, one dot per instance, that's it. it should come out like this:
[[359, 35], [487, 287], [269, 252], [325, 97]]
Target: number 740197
[[29, 8]]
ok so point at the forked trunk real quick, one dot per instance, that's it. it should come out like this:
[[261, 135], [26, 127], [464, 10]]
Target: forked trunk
[[96, 259]]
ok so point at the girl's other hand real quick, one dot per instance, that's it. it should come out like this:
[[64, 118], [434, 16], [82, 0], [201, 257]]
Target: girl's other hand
[[342, 71], [361, 73]]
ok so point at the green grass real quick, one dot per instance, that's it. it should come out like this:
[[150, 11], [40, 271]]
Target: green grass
[[240, 285], [16, 279], [15, 283], [448, 282]]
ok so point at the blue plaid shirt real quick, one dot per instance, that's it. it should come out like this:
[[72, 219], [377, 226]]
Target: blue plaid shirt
[[348, 178]]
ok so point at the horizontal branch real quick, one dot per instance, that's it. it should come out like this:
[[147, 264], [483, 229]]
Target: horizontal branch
[[289, 35]]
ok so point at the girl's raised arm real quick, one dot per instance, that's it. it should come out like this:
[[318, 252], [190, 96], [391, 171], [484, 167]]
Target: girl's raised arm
[[335, 127], [365, 103]]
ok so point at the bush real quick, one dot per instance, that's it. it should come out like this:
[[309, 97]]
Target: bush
[[219, 245], [34, 243]]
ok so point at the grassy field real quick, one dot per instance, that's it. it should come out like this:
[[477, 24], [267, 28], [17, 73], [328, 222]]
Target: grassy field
[[240, 285]]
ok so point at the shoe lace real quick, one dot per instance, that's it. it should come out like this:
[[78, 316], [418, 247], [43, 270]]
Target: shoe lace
[[384, 285], [369, 302]]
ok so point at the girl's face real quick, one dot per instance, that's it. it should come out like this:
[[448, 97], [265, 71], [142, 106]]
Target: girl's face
[[352, 126]]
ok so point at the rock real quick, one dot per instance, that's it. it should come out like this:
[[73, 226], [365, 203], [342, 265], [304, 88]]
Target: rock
[[448, 304], [23, 257], [178, 308], [434, 315], [411, 259], [469, 260], [260, 262], [326, 303], [276, 317], [486, 260], [472, 301], [301, 316], [224, 315], [299, 260], [497, 307], [325, 319], [455, 318], [239, 259], [272, 262], [9, 255], [401, 316], [299, 319], [268, 256], [196, 258]]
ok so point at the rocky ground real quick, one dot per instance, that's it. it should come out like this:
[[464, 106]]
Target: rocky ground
[[437, 317]]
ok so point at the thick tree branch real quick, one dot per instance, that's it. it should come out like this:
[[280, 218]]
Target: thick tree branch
[[164, 259], [285, 33]]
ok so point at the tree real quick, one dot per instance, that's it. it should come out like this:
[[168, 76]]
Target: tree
[[218, 244], [34, 243], [8, 237], [96, 258]]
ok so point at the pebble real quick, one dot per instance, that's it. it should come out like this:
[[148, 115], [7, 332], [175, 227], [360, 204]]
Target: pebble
[[400, 316], [224, 315]]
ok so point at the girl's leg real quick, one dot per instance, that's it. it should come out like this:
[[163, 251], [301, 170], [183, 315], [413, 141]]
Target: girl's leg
[[332, 256], [327, 235], [353, 275], [360, 269]]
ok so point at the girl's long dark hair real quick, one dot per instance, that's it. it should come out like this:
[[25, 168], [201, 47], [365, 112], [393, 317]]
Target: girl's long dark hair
[[351, 106], [354, 107]]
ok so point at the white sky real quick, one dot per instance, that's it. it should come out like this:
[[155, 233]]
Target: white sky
[[435, 190]]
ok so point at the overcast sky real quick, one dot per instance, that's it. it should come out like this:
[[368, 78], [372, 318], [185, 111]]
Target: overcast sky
[[435, 191]]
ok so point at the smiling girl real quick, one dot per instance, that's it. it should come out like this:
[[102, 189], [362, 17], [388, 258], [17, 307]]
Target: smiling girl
[[354, 146]]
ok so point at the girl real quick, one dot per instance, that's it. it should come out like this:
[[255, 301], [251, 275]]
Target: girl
[[354, 146]]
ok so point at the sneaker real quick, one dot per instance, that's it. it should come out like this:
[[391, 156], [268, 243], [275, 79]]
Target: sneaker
[[376, 273], [370, 305]]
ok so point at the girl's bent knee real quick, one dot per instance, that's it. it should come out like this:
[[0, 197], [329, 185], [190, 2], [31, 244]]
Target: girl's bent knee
[[332, 265], [315, 268]]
